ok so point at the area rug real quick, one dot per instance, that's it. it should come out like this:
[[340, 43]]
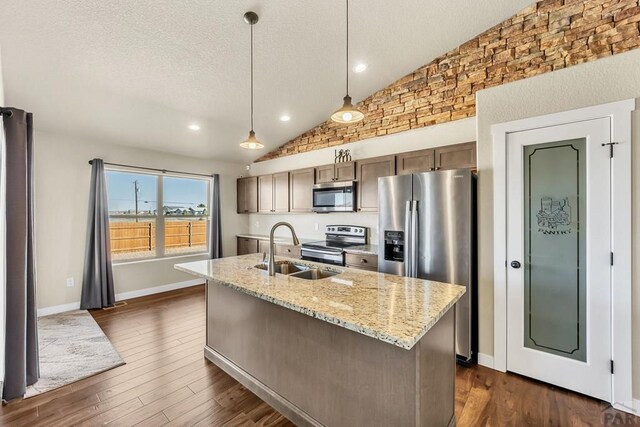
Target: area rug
[[72, 347]]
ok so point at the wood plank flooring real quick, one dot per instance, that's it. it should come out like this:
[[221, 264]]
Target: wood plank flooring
[[167, 381]]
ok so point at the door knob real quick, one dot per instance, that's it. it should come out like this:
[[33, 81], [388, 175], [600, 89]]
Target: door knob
[[515, 264]]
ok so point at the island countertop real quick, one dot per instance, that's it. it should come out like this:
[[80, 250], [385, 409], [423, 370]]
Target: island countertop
[[394, 309]]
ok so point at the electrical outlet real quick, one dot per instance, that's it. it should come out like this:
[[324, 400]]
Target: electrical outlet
[[70, 282]]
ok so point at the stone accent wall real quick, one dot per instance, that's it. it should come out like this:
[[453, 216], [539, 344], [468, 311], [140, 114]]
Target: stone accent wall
[[544, 37]]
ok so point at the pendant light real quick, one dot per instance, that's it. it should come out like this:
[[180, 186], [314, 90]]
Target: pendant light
[[348, 113], [251, 143]]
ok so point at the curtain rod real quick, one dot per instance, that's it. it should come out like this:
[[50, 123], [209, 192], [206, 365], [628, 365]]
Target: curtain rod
[[6, 112], [154, 169]]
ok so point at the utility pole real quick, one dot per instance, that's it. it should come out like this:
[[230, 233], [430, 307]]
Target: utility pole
[[136, 189]]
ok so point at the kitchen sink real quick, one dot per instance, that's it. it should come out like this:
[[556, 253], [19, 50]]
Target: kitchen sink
[[284, 267], [314, 274]]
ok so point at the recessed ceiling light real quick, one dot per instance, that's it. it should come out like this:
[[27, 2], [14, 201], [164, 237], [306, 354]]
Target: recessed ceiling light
[[194, 127], [360, 68], [285, 118]]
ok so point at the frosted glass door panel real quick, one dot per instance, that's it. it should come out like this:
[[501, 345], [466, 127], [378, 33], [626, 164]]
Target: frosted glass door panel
[[555, 248]]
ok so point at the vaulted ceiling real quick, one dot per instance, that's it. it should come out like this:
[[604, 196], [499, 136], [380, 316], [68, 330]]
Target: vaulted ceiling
[[139, 73]]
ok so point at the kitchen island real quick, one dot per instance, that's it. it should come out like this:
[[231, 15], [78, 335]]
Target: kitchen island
[[354, 348]]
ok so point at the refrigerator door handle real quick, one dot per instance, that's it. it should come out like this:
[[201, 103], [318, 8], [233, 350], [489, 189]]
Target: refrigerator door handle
[[408, 260], [414, 239]]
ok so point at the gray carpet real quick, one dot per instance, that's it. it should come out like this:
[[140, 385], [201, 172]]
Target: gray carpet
[[72, 347]]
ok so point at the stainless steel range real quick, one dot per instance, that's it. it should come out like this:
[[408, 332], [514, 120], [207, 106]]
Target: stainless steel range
[[338, 237]]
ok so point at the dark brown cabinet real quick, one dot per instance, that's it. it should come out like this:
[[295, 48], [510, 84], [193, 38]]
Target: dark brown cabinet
[[456, 156], [361, 261], [273, 193], [247, 194], [300, 190], [281, 192], [289, 251], [368, 172], [415, 162], [247, 246], [336, 172], [265, 193], [293, 191]]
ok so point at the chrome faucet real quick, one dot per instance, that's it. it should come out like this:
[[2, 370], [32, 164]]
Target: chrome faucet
[[272, 245]]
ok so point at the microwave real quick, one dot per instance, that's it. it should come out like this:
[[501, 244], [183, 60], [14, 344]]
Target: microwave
[[334, 197]]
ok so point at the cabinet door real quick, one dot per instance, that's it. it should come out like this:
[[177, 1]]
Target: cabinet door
[[281, 192], [241, 186], [301, 190], [345, 171], [325, 174], [265, 193], [415, 162], [247, 246], [368, 172], [252, 194], [456, 156]]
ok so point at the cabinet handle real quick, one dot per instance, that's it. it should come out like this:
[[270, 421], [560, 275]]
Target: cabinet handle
[[432, 169], [289, 250], [364, 261]]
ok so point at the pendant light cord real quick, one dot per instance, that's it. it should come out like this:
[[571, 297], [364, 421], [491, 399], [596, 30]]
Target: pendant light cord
[[252, 76], [347, 59]]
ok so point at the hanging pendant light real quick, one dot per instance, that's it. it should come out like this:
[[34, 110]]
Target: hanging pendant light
[[251, 143], [348, 113]]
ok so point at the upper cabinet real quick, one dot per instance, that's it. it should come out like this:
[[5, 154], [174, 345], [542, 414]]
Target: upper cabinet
[[292, 191], [281, 192], [368, 172], [273, 193], [415, 162], [300, 190], [336, 172], [456, 156], [247, 194], [265, 193]]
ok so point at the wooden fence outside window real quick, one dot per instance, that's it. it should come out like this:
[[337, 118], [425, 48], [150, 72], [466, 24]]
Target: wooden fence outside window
[[141, 236]]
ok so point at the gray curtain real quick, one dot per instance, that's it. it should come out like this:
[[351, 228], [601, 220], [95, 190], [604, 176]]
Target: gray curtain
[[97, 280], [216, 223], [21, 322]]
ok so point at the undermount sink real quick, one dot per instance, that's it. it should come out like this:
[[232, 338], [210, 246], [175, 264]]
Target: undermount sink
[[299, 271], [314, 274], [284, 267]]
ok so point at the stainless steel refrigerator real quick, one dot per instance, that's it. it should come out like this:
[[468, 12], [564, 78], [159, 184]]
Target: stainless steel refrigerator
[[427, 229]]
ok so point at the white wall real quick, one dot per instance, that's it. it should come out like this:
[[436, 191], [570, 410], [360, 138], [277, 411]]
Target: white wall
[[433, 136], [62, 195], [606, 80]]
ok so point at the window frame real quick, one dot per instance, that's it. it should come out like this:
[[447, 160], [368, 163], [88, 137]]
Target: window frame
[[160, 216]]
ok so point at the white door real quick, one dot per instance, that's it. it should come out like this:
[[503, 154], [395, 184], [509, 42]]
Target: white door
[[559, 256]]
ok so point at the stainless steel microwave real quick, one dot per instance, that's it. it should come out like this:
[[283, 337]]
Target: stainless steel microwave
[[334, 197]]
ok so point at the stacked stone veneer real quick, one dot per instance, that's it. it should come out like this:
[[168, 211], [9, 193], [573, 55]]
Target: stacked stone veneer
[[547, 36]]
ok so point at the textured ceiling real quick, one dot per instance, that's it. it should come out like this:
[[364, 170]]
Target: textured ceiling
[[137, 73]]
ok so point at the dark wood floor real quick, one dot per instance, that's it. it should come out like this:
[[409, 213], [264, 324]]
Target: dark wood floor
[[167, 381]]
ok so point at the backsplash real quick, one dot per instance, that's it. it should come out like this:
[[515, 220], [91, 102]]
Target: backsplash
[[305, 224]]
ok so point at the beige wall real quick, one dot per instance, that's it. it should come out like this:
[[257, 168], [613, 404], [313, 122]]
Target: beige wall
[[606, 80], [433, 136], [62, 193]]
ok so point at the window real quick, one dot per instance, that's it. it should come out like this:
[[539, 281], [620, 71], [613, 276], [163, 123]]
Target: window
[[140, 230]]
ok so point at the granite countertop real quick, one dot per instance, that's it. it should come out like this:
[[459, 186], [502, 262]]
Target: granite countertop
[[394, 309], [280, 240], [362, 250]]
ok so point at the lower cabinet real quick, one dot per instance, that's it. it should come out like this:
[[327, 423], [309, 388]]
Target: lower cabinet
[[362, 262], [289, 251], [247, 246]]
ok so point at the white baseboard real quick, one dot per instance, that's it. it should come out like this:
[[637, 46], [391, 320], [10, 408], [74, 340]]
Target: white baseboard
[[485, 360], [46, 311], [630, 408], [158, 289], [55, 309]]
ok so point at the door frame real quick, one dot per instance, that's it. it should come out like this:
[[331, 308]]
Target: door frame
[[619, 114]]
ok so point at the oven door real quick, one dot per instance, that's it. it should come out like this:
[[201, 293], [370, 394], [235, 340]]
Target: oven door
[[325, 257], [334, 197]]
